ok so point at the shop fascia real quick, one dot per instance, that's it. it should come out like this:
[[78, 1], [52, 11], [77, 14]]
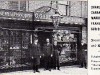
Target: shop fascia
[[66, 19], [17, 15]]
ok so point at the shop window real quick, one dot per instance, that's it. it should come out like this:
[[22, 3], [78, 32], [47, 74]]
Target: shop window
[[25, 40], [4, 51], [14, 50], [16, 40], [19, 52], [68, 43]]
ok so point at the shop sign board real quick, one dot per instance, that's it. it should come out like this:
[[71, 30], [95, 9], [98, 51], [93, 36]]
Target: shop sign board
[[16, 15], [66, 19]]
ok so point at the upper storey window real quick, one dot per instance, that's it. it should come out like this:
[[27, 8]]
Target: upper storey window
[[17, 5]]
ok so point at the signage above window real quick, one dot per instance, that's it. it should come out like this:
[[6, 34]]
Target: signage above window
[[16, 15], [66, 19], [39, 15]]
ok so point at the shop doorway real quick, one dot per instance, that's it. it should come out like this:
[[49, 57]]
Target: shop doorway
[[69, 40], [42, 36]]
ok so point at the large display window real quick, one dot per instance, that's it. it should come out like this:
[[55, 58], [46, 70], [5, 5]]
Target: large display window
[[14, 48], [68, 41]]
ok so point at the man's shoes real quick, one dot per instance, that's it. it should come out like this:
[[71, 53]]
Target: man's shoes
[[38, 71], [34, 71], [45, 69], [85, 67], [58, 69], [54, 68], [49, 69]]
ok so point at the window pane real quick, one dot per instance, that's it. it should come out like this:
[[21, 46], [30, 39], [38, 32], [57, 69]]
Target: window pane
[[23, 5], [13, 5]]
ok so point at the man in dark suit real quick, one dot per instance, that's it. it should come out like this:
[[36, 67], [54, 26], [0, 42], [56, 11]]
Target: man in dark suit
[[84, 55], [56, 53], [47, 50], [36, 55]]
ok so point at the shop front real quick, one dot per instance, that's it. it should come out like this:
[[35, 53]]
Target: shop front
[[19, 29], [16, 30], [68, 38], [68, 34]]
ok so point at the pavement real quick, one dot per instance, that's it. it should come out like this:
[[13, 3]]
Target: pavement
[[64, 70]]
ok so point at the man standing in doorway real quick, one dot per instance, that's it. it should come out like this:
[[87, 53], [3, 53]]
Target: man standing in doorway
[[36, 55], [56, 53], [47, 50]]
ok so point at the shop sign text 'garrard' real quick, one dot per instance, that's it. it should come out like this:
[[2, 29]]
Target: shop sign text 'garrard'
[[15, 15]]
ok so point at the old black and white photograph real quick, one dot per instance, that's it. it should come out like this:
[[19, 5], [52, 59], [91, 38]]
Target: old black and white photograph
[[43, 37]]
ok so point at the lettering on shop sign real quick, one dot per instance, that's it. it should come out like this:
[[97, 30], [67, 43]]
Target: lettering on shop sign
[[42, 16], [16, 15], [65, 19]]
